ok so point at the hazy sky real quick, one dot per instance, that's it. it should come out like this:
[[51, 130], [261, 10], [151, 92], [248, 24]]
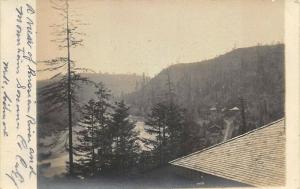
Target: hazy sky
[[136, 36]]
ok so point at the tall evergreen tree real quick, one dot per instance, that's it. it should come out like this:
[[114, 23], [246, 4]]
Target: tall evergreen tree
[[175, 122], [156, 123], [104, 137], [125, 147], [62, 91], [166, 123], [94, 137], [84, 150]]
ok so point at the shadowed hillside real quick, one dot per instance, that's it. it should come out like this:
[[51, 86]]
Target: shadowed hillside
[[254, 75]]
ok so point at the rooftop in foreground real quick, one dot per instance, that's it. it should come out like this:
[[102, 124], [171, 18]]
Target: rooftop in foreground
[[256, 158]]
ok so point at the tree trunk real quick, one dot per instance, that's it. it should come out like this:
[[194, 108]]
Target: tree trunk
[[69, 97], [243, 127]]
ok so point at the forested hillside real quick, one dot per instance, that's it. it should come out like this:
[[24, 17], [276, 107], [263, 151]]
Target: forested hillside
[[252, 76]]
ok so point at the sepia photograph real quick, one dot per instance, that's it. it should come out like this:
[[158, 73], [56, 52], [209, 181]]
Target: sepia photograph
[[160, 94]]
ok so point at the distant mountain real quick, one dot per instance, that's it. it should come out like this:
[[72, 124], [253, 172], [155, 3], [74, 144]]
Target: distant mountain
[[118, 84], [254, 74]]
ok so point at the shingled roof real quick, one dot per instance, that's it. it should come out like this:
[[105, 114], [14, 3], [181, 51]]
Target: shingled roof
[[256, 158]]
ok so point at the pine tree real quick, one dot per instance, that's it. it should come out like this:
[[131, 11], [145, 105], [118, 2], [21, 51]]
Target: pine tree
[[94, 148], [166, 123], [103, 131], [84, 150], [156, 123], [125, 146], [175, 122]]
